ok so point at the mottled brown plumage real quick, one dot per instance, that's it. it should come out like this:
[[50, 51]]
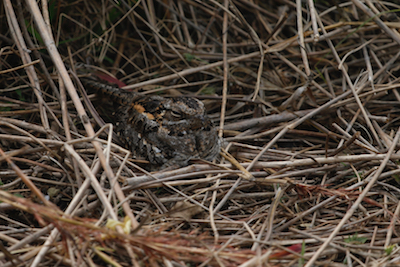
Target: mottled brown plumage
[[165, 131]]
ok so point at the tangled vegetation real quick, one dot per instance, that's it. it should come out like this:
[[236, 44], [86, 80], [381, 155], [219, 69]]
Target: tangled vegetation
[[304, 94]]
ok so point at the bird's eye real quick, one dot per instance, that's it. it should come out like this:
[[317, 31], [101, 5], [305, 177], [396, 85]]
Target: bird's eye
[[176, 114]]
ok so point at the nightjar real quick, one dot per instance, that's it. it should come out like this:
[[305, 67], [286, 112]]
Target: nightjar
[[167, 131]]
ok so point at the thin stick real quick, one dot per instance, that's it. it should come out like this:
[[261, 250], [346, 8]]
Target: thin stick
[[378, 21], [314, 24], [301, 35], [226, 68], [26, 59]]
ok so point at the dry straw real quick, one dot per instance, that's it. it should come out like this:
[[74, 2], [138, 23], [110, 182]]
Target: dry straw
[[305, 96]]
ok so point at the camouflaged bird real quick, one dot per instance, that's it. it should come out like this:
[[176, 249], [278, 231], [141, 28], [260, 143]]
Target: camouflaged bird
[[167, 131]]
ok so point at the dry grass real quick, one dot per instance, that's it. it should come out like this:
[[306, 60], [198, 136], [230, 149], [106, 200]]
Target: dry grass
[[309, 174]]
